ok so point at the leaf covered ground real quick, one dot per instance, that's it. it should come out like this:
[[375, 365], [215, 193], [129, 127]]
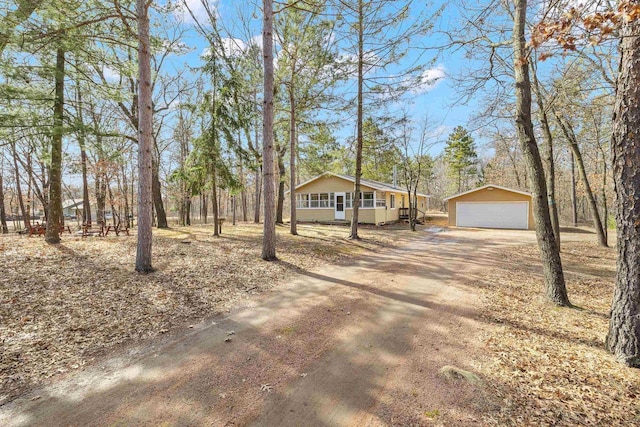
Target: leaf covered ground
[[63, 306], [547, 365]]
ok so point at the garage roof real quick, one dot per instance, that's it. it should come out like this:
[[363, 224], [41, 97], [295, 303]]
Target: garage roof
[[486, 187]]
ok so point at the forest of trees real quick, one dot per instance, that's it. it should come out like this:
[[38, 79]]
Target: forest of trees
[[100, 104]]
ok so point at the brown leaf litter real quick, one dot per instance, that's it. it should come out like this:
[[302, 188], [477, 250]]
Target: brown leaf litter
[[62, 307], [548, 365]]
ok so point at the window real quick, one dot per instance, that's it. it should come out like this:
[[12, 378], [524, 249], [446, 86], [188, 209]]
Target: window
[[315, 201], [381, 199], [392, 201], [324, 200], [367, 200], [302, 200]]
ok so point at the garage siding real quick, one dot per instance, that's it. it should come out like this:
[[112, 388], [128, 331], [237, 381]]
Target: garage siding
[[486, 195]]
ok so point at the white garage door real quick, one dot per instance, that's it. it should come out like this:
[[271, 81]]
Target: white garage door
[[493, 215]]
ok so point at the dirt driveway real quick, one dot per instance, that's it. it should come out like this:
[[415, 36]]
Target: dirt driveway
[[353, 345]]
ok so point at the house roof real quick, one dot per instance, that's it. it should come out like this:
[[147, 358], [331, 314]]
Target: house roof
[[484, 187], [376, 185]]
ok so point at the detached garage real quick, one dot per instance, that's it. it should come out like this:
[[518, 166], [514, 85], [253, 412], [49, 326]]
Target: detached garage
[[491, 206]]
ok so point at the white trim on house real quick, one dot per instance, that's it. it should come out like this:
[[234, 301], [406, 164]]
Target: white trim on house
[[499, 187]]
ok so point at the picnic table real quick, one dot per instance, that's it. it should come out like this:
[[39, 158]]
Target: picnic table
[[103, 230], [41, 229], [37, 229], [88, 229], [118, 228]]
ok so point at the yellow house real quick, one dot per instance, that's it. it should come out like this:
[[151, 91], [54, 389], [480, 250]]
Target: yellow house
[[329, 197], [491, 206]]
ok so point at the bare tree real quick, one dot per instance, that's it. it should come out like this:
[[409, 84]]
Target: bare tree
[[3, 216], [552, 266], [268, 172], [550, 170], [415, 161], [54, 215], [145, 141]]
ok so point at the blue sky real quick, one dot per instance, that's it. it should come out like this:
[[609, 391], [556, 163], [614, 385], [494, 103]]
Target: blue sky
[[438, 102]]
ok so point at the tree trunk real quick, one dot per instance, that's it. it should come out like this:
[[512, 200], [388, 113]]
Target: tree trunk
[[243, 193], [359, 137], [568, 132], [281, 176], [161, 215], [187, 212], [233, 209], [574, 196], [623, 339], [114, 215], [269, 229], [125, 194], [256, 208], [293, 226], [3, 215], [214, 203], [550, 172], [205, 208], [23, 211], [413, 210], [549, 252], [86, 201], [145, 143], [100, 185], [54, 215], [605, 207]]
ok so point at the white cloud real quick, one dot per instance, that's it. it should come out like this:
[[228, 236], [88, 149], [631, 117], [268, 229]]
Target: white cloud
[[110, 74], [233, 46], [430, 79], [197, 8]]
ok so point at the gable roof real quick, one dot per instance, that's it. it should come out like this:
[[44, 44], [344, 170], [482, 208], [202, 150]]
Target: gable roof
[[499, 187], [376, 185]]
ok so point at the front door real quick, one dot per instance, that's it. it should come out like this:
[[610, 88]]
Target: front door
[[339, 206]]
